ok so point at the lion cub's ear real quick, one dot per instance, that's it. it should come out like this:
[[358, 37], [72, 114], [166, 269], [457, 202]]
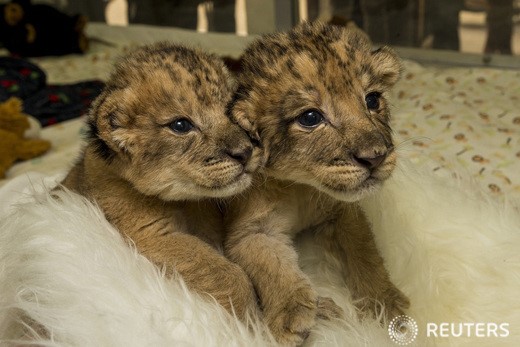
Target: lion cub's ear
[[386, 66], [241, 114], [109, 131]]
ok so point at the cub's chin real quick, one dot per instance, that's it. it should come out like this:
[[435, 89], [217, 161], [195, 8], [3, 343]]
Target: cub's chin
[[240, 184], [179, 190], [365, 188]]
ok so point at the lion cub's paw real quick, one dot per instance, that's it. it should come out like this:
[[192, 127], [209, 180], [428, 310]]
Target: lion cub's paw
[[327, 309], [393, 301], [238, 295], [291, 322]]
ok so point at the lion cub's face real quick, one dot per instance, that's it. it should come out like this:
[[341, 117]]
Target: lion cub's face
[[316, 97], [161, 124]]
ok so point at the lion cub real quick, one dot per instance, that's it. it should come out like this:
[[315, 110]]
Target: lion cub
[[315, 96], [160, 145]]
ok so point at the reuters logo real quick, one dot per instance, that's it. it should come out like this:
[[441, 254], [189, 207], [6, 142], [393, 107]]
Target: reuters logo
[[403, 330]]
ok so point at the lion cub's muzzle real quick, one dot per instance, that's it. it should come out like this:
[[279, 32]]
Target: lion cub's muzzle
[[372, 151], [367, 162], [371, 159], [242, 155], [370, 162], [377, 163]]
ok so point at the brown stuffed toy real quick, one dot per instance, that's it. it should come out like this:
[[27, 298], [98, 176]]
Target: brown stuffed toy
[[13, 145]]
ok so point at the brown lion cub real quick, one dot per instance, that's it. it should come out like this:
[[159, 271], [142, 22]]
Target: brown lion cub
[[160, 145], [315, 96]]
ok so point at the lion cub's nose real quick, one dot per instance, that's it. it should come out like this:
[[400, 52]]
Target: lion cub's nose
[[370, 162], [241, 155]]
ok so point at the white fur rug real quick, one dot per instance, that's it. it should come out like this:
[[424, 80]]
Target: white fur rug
[[451, 249]]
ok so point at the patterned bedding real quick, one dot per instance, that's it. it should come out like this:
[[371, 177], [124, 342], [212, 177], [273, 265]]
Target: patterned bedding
[[458, 121], [463, 120]]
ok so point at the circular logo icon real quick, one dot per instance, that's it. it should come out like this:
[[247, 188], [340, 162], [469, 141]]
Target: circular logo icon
[[403, 330]]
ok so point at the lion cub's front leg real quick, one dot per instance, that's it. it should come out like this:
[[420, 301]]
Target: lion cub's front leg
[[289, 303], [202, 268], [351, 239]]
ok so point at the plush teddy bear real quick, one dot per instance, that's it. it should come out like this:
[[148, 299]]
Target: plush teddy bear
[[13, 143], [37, 30]]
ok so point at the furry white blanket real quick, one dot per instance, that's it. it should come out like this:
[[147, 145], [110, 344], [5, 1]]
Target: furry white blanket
[[451, 249]]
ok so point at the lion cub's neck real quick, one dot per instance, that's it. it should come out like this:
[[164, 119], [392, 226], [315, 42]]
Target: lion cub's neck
[[128, 209], [307, 205], [93, 177]]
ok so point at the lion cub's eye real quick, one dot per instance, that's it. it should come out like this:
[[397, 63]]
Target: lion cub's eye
[[372, 100], [310, 119], [181, 126]]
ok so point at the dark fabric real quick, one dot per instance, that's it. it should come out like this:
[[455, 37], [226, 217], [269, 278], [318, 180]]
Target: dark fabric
[[56, 32], [19, 78], [49, 104], [57, 103]]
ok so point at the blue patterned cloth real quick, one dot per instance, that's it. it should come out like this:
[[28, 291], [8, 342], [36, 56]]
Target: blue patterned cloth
[[49, 104]]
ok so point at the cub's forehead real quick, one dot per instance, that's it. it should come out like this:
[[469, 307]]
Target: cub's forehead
[[171, 64], [169, 55], [157, 83], [317, 46]]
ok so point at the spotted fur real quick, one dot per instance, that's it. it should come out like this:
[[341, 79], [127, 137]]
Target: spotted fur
[[155, 183], [314, 175]]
